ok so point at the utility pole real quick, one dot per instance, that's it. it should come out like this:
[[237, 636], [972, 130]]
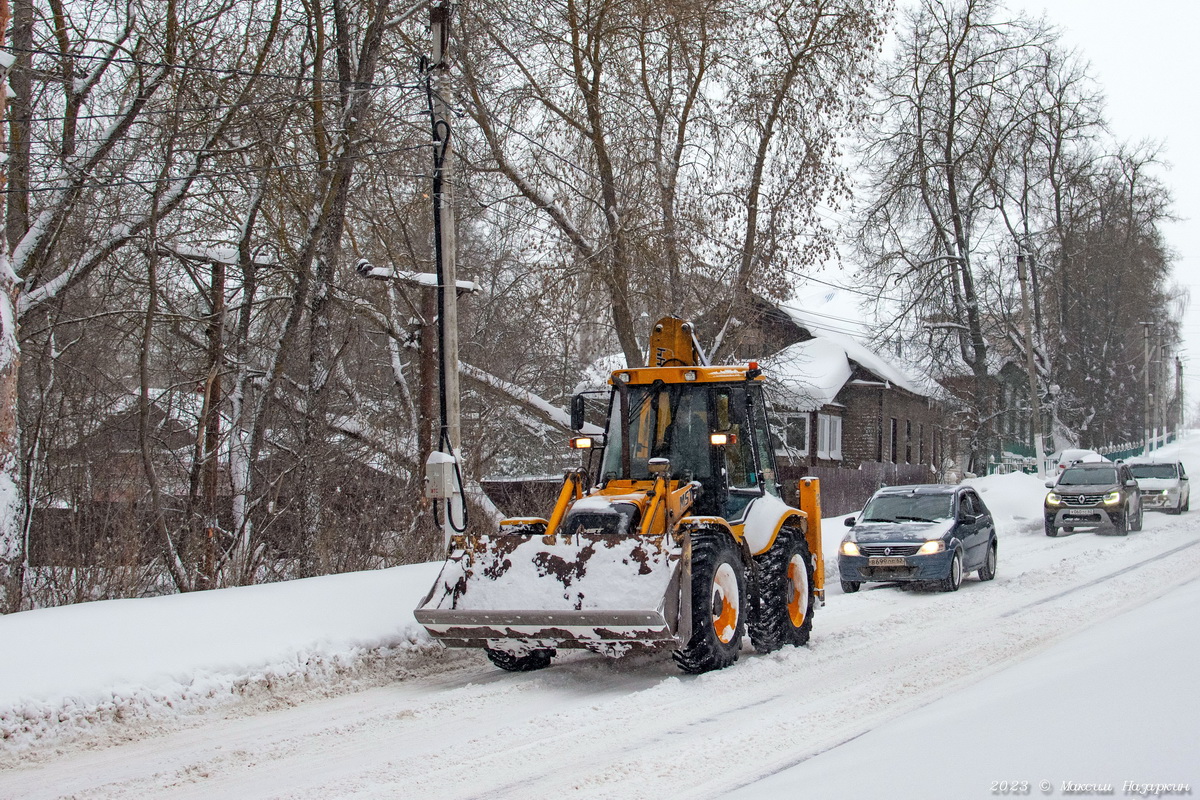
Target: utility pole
[[1035, 397], [443, 470], [1146, 382], [1163, 398], [1181, 420]]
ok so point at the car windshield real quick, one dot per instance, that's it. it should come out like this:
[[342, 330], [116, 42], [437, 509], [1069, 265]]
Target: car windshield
[[909, 508], [1154, 470], [1074, 476]]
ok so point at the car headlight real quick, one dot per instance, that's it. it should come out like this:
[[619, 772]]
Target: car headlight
[[1053, 499], [932, 546], [1112, 498], [849, 548]]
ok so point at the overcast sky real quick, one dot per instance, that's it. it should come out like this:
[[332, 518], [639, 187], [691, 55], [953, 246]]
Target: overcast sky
[[1146, 58]]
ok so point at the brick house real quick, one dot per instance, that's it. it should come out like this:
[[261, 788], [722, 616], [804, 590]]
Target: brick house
[[844, 413]]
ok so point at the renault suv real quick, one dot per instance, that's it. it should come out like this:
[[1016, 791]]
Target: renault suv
[[1098, 496]]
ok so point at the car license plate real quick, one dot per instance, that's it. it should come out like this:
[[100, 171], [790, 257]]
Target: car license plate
[[1079, 516], [887, 561]]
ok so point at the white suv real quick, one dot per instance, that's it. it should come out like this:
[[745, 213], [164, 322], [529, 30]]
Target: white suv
[[1164, 485]]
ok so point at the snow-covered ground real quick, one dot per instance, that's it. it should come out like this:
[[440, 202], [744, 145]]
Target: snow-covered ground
[[1075, 666]]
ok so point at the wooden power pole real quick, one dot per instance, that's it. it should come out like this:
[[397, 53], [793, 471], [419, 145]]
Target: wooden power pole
[[1035, 396]]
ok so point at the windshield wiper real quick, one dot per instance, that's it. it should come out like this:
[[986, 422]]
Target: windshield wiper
[[914, 519]]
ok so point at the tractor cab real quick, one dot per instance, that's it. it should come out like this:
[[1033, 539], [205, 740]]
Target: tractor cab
[[709, 430]]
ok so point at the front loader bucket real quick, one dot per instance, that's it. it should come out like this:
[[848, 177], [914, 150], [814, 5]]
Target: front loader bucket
[[598, 591]]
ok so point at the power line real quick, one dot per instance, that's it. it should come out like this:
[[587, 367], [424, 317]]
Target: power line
[[211, 70], [294, 98], [223, 174]]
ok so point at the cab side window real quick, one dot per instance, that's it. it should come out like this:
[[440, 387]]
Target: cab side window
[[966, 505]]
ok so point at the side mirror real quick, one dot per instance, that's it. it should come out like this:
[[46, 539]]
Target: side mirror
[[1131, 483], [660, 466], [968, 519], [577, 412], [848, 522], [1049, 484]]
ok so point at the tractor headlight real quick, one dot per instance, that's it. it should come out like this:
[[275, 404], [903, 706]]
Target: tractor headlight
[[1112, 498], [931, 547]]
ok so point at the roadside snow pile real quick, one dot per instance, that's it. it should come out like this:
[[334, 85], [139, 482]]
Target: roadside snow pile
[[1015, 500], [64, 670]]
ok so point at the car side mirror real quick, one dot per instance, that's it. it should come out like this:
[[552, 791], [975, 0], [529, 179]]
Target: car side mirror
[[968, 519], [577, 412], [1131, 483], [1049, 484], [848, 522]]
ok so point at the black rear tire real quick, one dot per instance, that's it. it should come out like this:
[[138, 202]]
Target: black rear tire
[[534, 659], [718, 598], [988, 571], [787, 597]]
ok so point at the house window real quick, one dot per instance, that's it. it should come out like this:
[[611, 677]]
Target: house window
[[792, 438], [921, 443], [829, 437], [892, 438], [908, 441]]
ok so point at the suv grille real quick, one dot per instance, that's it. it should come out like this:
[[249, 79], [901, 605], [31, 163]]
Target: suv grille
[[1082, 499], [896, 549]]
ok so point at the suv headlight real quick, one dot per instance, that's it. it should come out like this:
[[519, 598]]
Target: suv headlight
[[932, 546], [1053, 499], [1112, 498], [849, 548]]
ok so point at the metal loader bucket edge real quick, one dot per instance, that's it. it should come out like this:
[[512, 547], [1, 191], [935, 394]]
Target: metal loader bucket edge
[[468, 628]]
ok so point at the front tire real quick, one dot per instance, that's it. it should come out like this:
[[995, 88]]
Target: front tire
[[718, 598], [787, 597], [850, 587], [1050, 529], [1123, 524], [534, 659], [1137, 523], [988, 571], [954, 577]]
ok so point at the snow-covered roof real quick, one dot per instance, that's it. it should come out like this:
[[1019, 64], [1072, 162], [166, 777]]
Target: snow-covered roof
[[812, 372], [808, 374]]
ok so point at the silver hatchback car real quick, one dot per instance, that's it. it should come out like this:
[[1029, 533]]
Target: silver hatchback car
[[1164, 485]]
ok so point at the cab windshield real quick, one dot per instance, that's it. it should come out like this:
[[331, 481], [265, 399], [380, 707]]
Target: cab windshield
[[1154, 471], [909, 508], [665, 421]]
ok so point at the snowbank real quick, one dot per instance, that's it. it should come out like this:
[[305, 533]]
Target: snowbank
[[74, 666]]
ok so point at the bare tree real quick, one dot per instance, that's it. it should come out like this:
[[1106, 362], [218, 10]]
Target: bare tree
[[955, 95]]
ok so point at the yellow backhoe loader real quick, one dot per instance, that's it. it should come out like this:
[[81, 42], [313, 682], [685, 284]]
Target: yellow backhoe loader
[[682, 543]]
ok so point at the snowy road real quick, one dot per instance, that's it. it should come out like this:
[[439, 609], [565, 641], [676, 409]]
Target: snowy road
[[455, 727]]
